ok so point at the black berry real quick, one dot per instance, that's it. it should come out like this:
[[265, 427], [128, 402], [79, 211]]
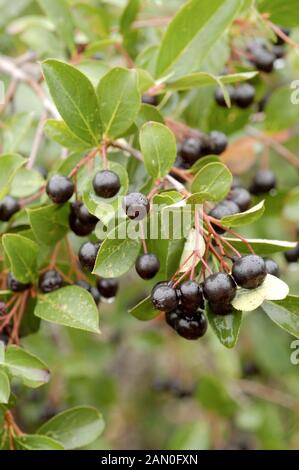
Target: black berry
[[272, 267], [249, 271], [192, 326], [147, 266], [172, 317], [221, 210], [88, 255], [79, 228], [136, 206], [217, 142], [292, 255], [191, 296], [219, 96], [221, 308], [14, 285], [106, 184], [82, 213], [50, 281], [191, 150], [244, 95], [148, 99], [107, 287], [241, 197], [279, 40], [164, 298], [263, 182], [60, 189], [278, 51], [263, 60], [219, 288], [8, 207]]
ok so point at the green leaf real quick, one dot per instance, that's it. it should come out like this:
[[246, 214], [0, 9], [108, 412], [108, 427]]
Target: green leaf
[[281, 12], [119, 100], [4, 388], [145, 80], [74, 428], [27, 367], [148, 113], [36, 442], [75, 99], [70, 306], [116, 255], [158, 146], [285, 313], [199, 79], [261, 247], [278, 115], [244, 218], [16, 129], [10, 163], [199, 25], [59, 13], [49, 223], [203, 162], [60, 133], [226, 327], [144, 311], [213, 396], [22, 256], [129, 15], [213, 179], [26, 182], [93, 21]]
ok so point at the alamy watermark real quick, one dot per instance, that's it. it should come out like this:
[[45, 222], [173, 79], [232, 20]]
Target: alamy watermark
[[294, 358], [295, 93]]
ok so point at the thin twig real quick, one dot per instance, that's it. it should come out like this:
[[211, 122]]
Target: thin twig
[[38, 138]]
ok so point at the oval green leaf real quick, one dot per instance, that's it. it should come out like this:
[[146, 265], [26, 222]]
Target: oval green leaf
[[214, 179]]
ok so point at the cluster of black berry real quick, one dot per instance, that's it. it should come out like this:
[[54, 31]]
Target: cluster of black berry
[[184, 306], [242, 95], [194, 148], [263, 55]]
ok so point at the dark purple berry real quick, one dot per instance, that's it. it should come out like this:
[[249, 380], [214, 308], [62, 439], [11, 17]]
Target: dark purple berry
[[219, 288], [244, 95], [79, 228], [192, 326], [14, 285], [263, 182], [272, 267], [221, 308], [106, 184], [241, 197], [147, 266], [82, 213], [164, 298], [221, 210], [172, 317], [148, 99], [219, 96], [249, 271], [191, 150], [88, 255], [292, 255], [60, 189], [136, 206], [217, 142], [50, 281], [107, 287], [263, 60], [8, 207], [191, 296]]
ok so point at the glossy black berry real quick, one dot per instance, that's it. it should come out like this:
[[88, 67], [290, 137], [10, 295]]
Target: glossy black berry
[[172, 317], [14, 285], [219, 96], [249, 271], [88, 255], [292, 255], [147, 265], [219, 288], [164, 298], [217, 142], [107, 287], [191, 150], [263, 60], [83, 214], [50, 281], [106, 184], [241, 197], [136, 206], [244, 95], [91, 289], [79, 228], [272, 267], [263, 182], [148, 99], [8, 207], [192, 326], [60, 189], [221, 308], [286, 31], [191, 296], [221, 210]]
